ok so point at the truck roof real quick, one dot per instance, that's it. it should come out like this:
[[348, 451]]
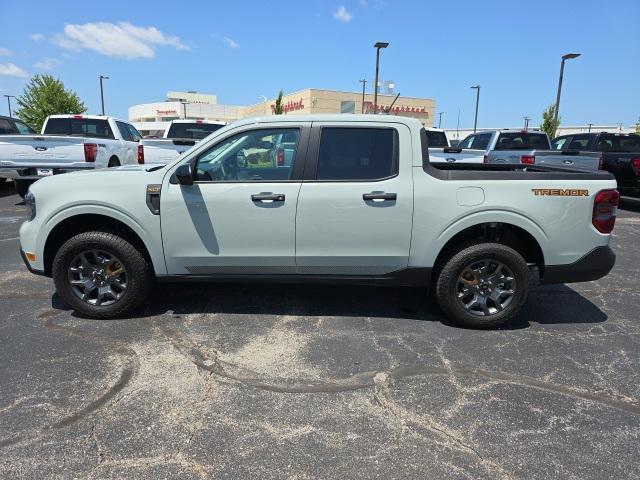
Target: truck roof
[[89, 117], [193, 120], [336, 117]]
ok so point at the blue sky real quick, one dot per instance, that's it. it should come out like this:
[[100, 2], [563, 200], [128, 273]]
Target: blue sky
[[240, 50]]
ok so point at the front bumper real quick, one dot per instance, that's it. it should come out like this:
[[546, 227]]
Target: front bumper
[[594, 265], [29, 267]]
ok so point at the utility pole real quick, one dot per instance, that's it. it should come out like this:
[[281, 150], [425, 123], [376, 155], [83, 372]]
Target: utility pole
[[184, 110], [458, 126], [102, 77], [590, 124], [364, 83], [9, 97], [526, 123], [565, 57], [475, 123], [440, 119], [377, 46]]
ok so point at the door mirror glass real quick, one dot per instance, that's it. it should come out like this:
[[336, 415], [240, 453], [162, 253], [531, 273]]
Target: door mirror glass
[[184, 174]]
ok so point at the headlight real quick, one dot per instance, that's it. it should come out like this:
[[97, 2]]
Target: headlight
[[30, 202]]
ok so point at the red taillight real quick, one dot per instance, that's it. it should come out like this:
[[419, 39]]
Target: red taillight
[[78, 116], [635, 164], [280, 157], [140, 154], [485, 159], [605, 207], [90, 152], [528, 159]]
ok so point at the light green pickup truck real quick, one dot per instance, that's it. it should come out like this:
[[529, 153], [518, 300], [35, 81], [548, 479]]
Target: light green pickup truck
[[359, 202]]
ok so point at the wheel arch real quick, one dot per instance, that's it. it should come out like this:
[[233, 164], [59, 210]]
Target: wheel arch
[[112, 157], [505, 233], [86, 222]]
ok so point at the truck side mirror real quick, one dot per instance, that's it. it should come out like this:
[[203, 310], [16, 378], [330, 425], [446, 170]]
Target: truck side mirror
[[184, 174]]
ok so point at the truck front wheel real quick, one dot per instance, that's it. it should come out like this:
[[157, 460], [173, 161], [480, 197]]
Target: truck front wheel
[[483, 285], [101, 274]]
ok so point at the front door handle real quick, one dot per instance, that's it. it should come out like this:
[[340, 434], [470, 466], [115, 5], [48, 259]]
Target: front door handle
[[379, 196], [267, 197]]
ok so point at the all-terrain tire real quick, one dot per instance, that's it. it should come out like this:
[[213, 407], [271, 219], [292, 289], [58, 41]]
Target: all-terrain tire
[[446, 286], [139, 271]]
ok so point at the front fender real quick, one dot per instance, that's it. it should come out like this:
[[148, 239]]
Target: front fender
[[147, 229]]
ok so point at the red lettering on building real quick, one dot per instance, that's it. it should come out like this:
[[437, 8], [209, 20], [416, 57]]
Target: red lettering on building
[[368, 106], [289, 106]]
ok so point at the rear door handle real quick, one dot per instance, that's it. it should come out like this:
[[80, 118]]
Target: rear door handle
[[381, 196], [267, 197]]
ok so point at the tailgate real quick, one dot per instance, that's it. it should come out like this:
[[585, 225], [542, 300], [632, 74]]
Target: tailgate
[[165, 150], [455, 155], [47, 151], [568, 158]]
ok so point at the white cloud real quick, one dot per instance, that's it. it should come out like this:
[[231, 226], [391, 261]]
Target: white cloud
[[12, 70], [36, 37], [342, 14], [47, 63], [5, 52], [231, 42], [116, 40]]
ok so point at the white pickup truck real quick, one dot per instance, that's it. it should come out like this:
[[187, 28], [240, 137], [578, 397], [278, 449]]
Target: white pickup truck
[[179, 137], [360, 202], [68, 143]]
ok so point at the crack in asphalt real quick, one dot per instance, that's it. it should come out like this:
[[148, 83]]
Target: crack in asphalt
[[366, 379], [128, 372]]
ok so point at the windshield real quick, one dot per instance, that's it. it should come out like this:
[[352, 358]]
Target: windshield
[[196, 131]]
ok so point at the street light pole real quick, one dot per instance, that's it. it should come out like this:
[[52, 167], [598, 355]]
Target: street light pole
[[555, 113], [475, 122], [440, 119], [526, 123], [378, 46], [364, 83], [9, 97], [102, 77]]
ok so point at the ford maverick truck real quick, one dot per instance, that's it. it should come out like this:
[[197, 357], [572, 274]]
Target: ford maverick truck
[[358, 202]]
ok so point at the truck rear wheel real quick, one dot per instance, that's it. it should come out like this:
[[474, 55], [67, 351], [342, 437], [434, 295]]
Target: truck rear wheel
[[22, 186], [101, 275], [483, 285]]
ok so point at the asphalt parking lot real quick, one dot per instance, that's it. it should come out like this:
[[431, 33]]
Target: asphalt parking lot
[[286, 381]]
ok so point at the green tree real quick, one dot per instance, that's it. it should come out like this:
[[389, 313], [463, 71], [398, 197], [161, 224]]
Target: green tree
[[44, 96], [549, 126], [277, 109], [638, 126]]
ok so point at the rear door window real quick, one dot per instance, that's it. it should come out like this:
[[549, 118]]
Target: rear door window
[[135, 135], [124, 131], [618, 143], [357, 154], [196, 131]]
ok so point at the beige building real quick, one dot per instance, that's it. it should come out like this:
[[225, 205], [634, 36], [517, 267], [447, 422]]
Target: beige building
[[313, 100], [153, 118]]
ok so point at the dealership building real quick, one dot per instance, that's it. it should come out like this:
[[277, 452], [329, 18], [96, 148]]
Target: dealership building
[[153, 118]]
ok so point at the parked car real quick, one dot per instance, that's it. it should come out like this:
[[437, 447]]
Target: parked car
[[68, 143], [13, 126], [441, 150], [361, 202], [179, 136], [528, 147], [619, 153]]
